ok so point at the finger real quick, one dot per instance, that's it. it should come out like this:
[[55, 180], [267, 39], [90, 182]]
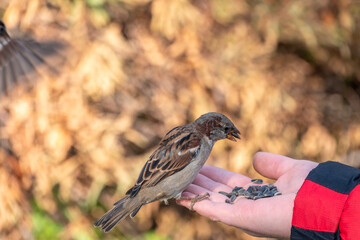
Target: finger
[[272, 215], [207, 183], [272, 165], [250, 215], [225, 177]]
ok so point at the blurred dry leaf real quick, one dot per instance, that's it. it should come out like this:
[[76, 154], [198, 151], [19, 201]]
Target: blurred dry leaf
[[169, 17], [286, 72]]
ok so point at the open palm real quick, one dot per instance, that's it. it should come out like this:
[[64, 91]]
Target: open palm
[[269, 217]]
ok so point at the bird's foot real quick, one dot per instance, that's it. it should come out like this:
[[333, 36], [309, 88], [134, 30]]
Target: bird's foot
[[166, 201], [195, 199]]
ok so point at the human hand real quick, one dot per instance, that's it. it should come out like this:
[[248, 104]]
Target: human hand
[[270, 217]]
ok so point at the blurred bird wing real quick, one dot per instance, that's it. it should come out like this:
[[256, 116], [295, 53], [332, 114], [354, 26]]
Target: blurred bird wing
[[19, 62], [14, 60], [177, 149]]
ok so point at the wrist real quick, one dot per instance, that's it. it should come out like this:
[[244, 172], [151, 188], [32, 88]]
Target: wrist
[[321, 201]]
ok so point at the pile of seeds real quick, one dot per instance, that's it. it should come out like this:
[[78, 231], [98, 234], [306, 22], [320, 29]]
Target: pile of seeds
[[252, 192]]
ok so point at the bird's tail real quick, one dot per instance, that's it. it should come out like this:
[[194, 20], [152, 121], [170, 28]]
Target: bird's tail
[[122, 208]]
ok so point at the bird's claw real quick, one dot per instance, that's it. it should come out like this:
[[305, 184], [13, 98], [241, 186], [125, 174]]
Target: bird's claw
[[195, 199]]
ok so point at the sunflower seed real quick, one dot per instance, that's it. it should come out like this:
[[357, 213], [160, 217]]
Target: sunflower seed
[[257, 181]]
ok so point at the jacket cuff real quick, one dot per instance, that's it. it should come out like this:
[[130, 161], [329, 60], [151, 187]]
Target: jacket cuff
[[324, 207]]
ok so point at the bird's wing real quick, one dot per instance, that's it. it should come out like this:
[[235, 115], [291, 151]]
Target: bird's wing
[[19, 61], [177, 149]]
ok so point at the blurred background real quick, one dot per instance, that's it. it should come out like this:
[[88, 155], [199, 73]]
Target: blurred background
[[286, 72]]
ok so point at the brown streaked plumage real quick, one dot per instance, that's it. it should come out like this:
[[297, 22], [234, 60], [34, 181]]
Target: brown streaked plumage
[[173, 165]]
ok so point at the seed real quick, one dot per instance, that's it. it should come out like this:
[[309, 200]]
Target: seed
[[257, 181], [254, 188], [268, 194], [264, 188], [241, 192], [253, 192], [224, 193], [257, 197], [237, 189]]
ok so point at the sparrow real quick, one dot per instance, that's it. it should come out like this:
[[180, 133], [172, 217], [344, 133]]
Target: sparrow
[[172, 166], [20, 62]]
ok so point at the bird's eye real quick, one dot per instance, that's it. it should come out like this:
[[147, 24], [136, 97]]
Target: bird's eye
[[226, 129]]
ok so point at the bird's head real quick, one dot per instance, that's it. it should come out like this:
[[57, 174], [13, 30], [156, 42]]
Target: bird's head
[[216, 126]]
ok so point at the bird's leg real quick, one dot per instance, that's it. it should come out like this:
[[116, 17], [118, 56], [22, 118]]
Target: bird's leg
[[195, 199]]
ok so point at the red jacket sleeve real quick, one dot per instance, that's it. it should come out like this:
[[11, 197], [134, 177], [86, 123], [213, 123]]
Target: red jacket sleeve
[[327, 205]]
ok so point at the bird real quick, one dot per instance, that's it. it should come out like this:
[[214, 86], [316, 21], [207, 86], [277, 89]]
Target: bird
[[21, 59], [172, 166]]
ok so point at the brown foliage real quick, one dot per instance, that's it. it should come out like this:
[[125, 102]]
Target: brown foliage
[[286, 72]]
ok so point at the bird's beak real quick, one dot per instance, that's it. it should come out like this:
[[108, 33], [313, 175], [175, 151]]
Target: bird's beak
[[233, 134]]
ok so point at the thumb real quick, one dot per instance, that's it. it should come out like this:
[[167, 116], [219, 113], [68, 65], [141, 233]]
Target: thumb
[[272, 165]]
